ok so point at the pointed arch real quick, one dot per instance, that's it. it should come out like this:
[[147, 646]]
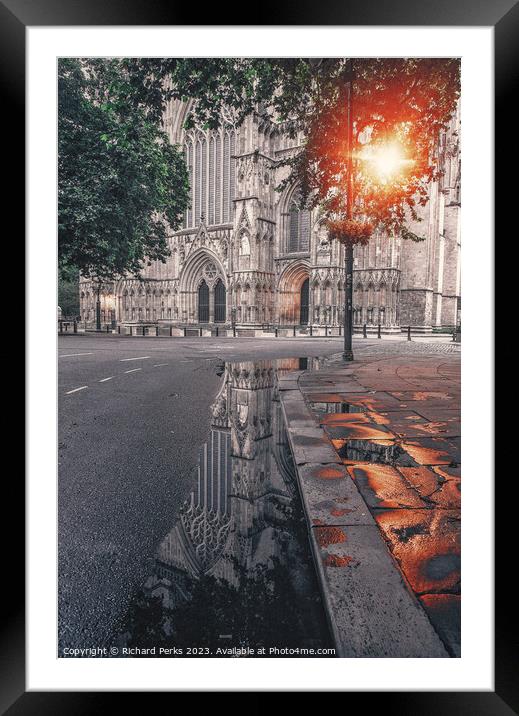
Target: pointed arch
[[295, 222], [202, 267], [290, 292]]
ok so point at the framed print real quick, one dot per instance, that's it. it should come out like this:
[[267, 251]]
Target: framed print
[[247, 352]]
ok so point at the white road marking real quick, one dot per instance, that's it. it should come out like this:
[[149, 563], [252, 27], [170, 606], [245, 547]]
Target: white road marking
[[132, 370], [123, 360], [69, 355], [103, 380], [157, 365], [76, 390]]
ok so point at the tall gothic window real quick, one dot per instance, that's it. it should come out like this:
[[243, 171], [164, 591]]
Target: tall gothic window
[[298, 227], [212, 175]]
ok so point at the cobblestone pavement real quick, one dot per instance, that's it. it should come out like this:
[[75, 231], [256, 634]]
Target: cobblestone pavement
[[393, 420], [414, 347]]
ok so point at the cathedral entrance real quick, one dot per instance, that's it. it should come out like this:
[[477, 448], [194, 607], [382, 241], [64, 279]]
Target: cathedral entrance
[[294, 295], [203, 303], [220, 300], [305, 302]]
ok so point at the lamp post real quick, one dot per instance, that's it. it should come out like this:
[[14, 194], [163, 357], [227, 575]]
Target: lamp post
[[347, 353], [98, 307], [384, 161], [233, 320]]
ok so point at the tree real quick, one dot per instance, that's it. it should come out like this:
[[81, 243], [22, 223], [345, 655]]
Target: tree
[[369, 129], [121, 184], [403, 102], [68, 293]]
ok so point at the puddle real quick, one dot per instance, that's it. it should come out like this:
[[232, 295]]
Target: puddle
[[234, 575], [329, 408]]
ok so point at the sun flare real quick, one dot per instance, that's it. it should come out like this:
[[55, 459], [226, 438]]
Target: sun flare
[[386, 160]]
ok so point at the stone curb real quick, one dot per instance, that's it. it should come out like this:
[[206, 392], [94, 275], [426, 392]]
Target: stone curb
[[371, 610]]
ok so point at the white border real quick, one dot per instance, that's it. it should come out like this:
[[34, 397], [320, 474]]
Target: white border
[[474, 670]]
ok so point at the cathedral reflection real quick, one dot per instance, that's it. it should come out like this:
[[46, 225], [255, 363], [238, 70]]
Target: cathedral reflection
[[240, 536]]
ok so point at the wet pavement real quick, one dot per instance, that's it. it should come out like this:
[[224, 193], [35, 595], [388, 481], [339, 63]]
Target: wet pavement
[[379, 444], [127, 447], [234, 575], [323, 508]]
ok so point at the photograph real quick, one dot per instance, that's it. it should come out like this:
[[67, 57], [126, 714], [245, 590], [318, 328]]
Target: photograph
[[259, 341]]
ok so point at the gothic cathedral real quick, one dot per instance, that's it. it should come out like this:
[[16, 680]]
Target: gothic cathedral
[[250, 258]]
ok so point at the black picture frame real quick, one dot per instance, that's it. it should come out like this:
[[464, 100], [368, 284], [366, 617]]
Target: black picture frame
[[15, 16]]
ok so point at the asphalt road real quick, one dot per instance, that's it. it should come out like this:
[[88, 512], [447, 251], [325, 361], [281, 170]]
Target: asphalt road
[[132, 414]]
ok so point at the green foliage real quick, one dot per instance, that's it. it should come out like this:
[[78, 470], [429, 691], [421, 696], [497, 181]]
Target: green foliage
[[407, 100], [68, 294], [121, 185]]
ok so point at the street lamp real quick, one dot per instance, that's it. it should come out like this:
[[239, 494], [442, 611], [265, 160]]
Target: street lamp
[[98, 307], [348, 248], [384, 161]]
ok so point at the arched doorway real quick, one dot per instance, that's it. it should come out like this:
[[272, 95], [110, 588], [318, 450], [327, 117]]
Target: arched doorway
[[294, 295], [305, 302], [220, 300], [203, 303]]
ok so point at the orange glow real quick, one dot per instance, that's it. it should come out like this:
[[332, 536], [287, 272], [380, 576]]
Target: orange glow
[[386, 160]]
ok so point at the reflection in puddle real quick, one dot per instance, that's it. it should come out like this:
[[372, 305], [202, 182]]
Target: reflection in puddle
[[330, 408], [235, 572]]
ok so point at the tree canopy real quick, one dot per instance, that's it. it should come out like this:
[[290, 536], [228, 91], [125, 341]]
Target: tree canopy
[[398, 106], [121, 184]]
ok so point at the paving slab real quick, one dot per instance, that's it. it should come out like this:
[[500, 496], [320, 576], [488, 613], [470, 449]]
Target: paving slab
[[444, 611], [298, 415], [426, 544], [307, 446], [433, 451], [384, 486], [330, 496], [358, 431], [373, 613], [435, 488], [379, 475], [343, 418]]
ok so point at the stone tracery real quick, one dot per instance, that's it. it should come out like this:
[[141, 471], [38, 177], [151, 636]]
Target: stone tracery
[[264, 246]]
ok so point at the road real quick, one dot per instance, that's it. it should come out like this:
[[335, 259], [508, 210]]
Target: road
[[132, 414]]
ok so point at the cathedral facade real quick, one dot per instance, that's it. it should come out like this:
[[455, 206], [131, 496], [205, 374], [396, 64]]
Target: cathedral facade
[[249, 258]]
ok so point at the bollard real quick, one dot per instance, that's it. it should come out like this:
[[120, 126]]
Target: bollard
[[294, 331], [107, 328], [185, 331], [234, 331], [340, 329], [119, 329], [276, 331], [75, 326], [454, 336], [409, 333], [311, 330], [364, 331], [379, 331], [200, 332], [156, 330], [131, 330], [326, 331], [61, 326], [217, 331], [170, 331]]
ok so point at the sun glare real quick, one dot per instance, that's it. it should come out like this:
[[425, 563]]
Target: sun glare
[[386, 160]]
